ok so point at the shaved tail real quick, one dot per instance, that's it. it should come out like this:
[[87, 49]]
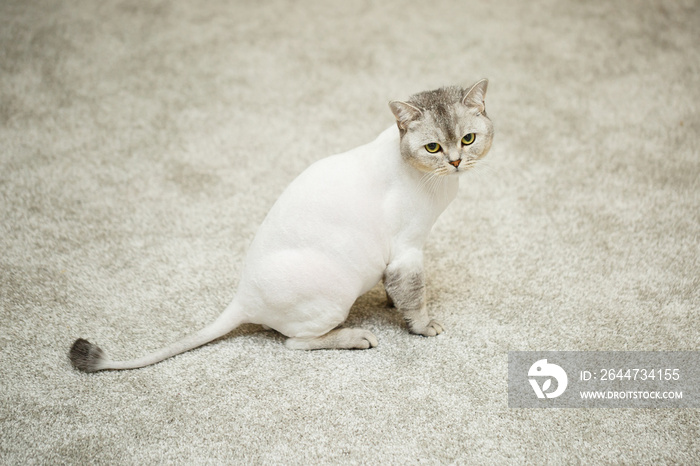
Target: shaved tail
[[88, 357]]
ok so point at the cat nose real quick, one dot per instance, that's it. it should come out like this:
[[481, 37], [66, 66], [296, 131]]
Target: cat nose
[[455, 163]]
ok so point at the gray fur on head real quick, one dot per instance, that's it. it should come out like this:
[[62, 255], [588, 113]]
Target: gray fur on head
[[444, 116]]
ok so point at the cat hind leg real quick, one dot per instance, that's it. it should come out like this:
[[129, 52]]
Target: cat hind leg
[[340, 338]]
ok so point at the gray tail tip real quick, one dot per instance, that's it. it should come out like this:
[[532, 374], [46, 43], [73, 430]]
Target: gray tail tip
[[85, 356]]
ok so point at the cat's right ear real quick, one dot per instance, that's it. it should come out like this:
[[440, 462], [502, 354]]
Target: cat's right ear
[[404, 113]]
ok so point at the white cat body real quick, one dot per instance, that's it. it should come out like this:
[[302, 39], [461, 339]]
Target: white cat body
[[330, 236], [347, 222]]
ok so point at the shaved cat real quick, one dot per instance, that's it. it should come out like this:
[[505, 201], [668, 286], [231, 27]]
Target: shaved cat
[[346, 223]]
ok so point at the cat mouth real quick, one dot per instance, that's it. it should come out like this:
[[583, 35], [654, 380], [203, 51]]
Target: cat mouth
[[460, 166], [464, 166], [458, 170]]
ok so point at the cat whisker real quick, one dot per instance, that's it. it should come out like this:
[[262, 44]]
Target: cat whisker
[[483, 170], [469, 164], [437, 182], [425, 181], [432, 182], [440, 181]]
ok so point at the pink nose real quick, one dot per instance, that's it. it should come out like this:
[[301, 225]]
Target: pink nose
[[455, 163]]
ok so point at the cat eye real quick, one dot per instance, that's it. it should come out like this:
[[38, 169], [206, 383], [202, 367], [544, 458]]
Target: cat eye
[[433, 147], [468, 139]]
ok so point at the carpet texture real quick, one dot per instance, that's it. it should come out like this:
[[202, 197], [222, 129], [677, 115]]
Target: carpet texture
[[142, 143]]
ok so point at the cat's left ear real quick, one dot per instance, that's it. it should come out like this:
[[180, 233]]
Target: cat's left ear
[[476, 95], [404, 113]]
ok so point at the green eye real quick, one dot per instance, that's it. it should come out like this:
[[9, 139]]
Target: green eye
[[468, 139], [432, 147]]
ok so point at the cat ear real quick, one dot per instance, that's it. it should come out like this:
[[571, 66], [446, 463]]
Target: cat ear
[[404, 113], [475, 97]]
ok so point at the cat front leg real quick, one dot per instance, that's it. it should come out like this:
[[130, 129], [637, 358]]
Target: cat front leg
[[404, 281]]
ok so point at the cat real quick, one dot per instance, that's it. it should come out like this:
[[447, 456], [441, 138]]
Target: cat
[[343, 225]]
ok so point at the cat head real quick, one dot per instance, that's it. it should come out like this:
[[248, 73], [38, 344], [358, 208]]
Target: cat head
[[445, 131]]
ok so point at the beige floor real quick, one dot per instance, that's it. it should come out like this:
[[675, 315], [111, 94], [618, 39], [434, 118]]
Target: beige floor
[[142, 142]]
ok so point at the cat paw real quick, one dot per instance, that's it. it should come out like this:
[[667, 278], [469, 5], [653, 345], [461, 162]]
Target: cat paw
[[432, 329], [357, 338]]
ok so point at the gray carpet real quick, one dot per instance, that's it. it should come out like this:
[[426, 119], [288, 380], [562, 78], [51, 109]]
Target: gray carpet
[[142, 143]]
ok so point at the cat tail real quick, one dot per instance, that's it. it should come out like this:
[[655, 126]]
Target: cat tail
[[88, 357]]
